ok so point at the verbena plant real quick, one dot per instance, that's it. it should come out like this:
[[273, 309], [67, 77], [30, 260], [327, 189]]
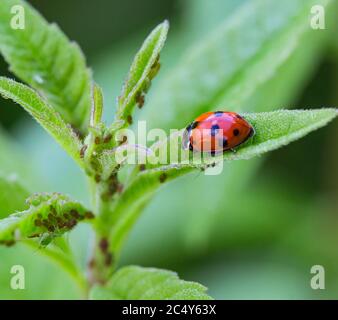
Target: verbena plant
[[63, 98]]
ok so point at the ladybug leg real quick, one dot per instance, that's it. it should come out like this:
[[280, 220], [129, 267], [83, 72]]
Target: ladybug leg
[[212, 153]]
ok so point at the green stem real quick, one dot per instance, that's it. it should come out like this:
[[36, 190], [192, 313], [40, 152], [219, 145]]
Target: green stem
[[100, 265]]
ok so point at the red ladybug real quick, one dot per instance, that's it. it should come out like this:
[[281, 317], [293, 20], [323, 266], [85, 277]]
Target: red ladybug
[[218, 131]]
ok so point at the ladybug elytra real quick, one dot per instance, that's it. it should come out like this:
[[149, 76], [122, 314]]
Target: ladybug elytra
[[218, 131]]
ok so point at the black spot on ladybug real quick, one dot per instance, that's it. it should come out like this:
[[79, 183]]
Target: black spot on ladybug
[[163, 177], [236, 132], [218, 113], [225, 142], [214, 129], [238, 116], [194, 125]]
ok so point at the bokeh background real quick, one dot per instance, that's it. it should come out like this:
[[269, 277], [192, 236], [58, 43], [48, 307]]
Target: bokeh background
[[253, 232]]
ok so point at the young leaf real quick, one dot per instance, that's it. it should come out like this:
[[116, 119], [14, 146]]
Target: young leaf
[[12, 195], [142, 71], [97, 106], [43, 113], [42, 56], [137, 283], [110, 159], [273, 130], [49, 216]]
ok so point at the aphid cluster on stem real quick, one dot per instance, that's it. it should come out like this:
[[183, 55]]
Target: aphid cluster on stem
[[107, 256]]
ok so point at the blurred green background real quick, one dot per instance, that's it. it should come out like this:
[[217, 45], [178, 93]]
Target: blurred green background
[[253, 232]]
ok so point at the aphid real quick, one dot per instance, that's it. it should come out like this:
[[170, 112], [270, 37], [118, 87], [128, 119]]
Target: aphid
[[130, 119], [119, 187], [37, 223], [107, 138], [89, 215], [104, 244], [142, 167], [83, 150], [109, 259], [139, 98], [97, 178], [124, 140], [163, 177], [72, 223], [97, 140], [218, 131], [74, 214]]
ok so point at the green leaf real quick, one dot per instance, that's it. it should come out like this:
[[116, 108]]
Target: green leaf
[[44, 114], [137, 283], [43, 57], [49, 216], [97, 106], [273, 130], [12, 195], [143, 69]]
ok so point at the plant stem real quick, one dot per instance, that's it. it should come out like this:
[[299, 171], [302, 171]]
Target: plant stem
[[100, 264]]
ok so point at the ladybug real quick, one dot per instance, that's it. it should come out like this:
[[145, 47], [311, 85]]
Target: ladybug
[[218, 131]]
